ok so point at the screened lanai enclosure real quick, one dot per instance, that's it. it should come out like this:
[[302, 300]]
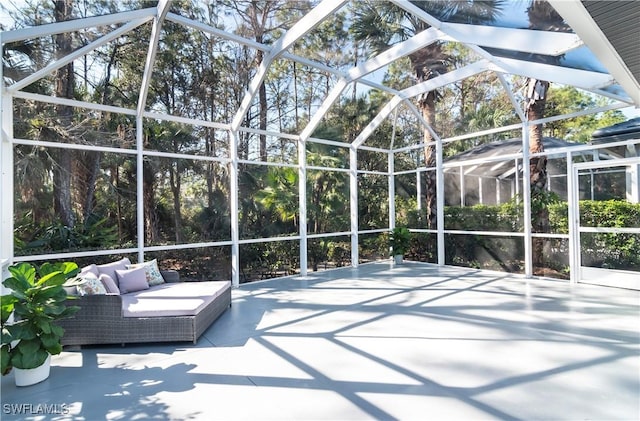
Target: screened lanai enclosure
[[245, 140]]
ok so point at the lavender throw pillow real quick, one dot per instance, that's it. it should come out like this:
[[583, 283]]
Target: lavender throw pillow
[[109, 284], [131, 280]]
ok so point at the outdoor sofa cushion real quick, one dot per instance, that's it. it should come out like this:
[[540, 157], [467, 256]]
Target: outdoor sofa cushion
[[185, 299]]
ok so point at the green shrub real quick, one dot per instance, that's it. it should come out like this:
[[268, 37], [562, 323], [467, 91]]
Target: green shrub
[[616, 251]]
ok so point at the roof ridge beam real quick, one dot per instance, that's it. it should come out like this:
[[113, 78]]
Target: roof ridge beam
[[74, 25], [298, 30]]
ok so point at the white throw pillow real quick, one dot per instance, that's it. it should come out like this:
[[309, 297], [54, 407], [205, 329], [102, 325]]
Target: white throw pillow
[[90, 285]]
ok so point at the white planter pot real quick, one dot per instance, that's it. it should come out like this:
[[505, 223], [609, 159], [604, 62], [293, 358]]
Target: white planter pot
[[397, 259], [27, 377]]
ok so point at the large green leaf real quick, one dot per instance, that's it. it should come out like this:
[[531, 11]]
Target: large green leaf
[[51, 343], [18, 287], [25, 273], [50, 291], [7, 304], [22, 330], [29, 354], [52, 278]]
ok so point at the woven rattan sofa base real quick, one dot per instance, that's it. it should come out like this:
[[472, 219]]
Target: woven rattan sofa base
[[100, 321]]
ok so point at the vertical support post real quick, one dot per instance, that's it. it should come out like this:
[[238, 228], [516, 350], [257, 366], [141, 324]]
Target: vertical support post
[[140, 185], [498, 198], [573, 211], [419, 189], [517, 179], [6, 178], [391, 180], [462, 186], [302, 200], [480, 196], [440, 201], [633, 183], [353, 204], [526, 194], [234, 208]]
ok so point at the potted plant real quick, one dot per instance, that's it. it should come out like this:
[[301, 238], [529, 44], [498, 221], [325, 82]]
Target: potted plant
[[29, 312], [399, 241]]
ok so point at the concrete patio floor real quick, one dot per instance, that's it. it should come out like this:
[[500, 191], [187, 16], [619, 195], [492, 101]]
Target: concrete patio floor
[[411, 342]]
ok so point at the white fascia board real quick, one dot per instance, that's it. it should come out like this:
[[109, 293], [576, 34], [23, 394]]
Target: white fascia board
[[217, 32], [377, 120], [584, 79], [527, 40], [76, 54], [324, 108], [399, 50], [575, 14], [75, 25], [445, 79], [162, 10]]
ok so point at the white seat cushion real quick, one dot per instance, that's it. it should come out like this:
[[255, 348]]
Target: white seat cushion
[[172, 299]]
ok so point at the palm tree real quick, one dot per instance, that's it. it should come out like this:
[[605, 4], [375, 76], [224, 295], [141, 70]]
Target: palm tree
[[542, 16], [381, 24]]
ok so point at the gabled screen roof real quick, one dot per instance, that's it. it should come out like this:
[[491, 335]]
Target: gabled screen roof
[[575, 51]]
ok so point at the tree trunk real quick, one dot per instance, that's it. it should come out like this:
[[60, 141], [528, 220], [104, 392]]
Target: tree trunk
[[536, 102], [149, 202], [174, 179], [86, 167], [427, 106], [428, 63], [64, 89]]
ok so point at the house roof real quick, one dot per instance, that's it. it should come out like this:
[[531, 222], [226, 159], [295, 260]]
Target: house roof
[[489, 152]]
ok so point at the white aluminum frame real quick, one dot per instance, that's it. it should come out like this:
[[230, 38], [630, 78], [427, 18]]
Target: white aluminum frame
[[475, 37]]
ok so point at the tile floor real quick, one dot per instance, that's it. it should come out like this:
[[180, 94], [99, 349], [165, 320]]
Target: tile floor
[[379, 342]]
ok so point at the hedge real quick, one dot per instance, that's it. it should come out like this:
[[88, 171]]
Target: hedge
[[615, 251]]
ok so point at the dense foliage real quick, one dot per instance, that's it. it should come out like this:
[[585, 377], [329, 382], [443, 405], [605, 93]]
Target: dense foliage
[[609, 250]]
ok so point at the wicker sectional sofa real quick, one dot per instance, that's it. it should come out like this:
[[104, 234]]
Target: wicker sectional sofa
[[171, 311]]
